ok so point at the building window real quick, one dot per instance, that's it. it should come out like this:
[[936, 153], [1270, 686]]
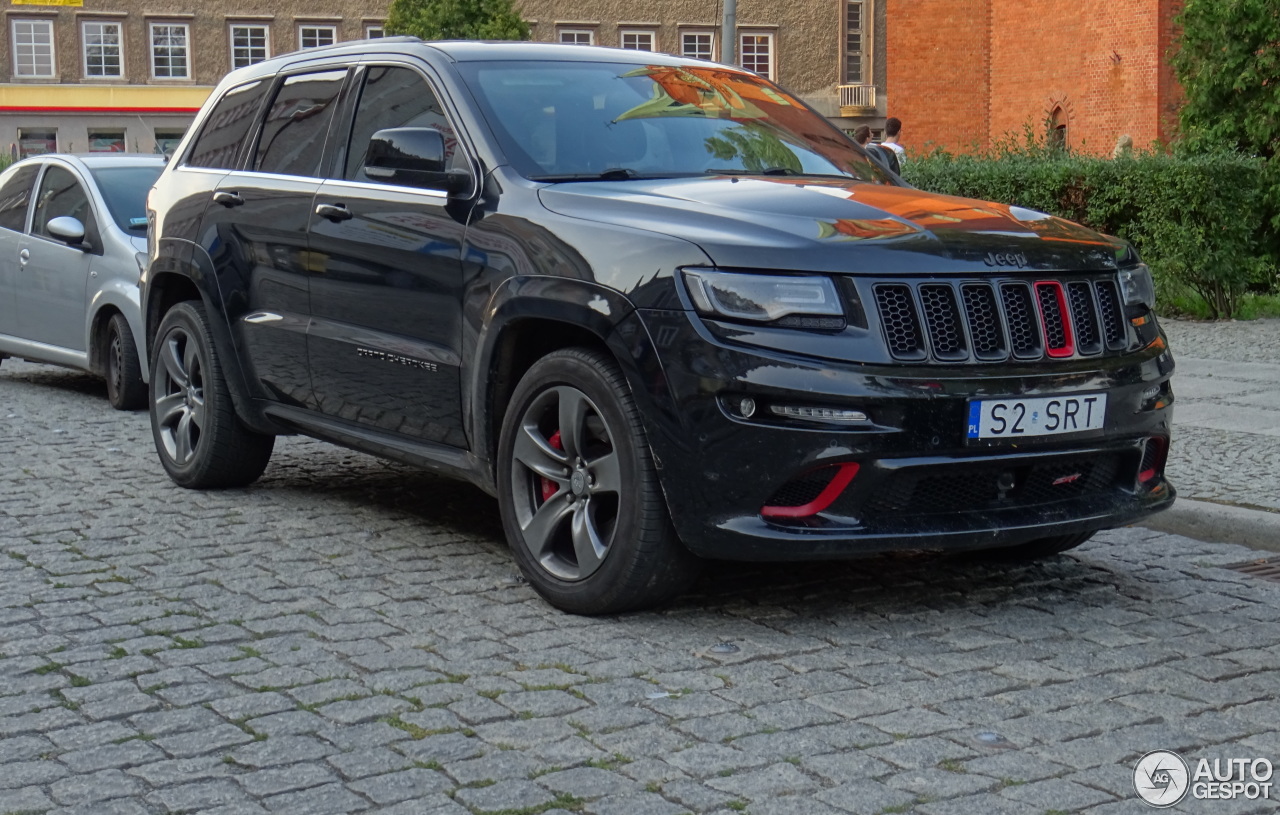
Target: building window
[[106, 141], [102, 50], [249, 45], [755, 53], [168, 140], [169, 51], [1056, 137], [374, 32], [33, 48], [36, 142], [853, 42], [697, 44], [577, 36], [637, 40], [317, 36]]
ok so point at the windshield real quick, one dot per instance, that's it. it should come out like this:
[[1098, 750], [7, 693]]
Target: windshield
[[563, 120], [125, 190]]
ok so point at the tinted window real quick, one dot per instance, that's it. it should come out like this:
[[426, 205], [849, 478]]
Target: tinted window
[[125, 190], [61, 194], [582, 118], [224, 132], [396, 97], [292, 140], [14, 196]]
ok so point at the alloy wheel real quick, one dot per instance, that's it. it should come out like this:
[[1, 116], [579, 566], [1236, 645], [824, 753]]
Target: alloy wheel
[[179, 401], [566, 480]]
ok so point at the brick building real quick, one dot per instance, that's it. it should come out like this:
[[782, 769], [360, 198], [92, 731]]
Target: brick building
[[962, 75], [108, 75]]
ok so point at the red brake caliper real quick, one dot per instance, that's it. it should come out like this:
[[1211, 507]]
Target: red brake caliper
[[549, 486]]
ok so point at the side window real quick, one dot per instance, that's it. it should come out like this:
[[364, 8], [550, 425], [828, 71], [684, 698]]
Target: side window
[[61, 193], [292, 140], [396, 97], [227, 127], [14, 197]]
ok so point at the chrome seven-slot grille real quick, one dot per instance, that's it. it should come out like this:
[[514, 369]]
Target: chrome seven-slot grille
[[994, 321]]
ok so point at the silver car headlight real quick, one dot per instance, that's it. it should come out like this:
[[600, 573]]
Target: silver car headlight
[[1137, 286], [801, 301]]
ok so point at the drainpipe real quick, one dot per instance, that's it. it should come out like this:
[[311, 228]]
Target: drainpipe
[[729, 33]]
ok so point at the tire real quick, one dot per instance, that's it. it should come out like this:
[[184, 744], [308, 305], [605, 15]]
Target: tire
[[1041, 548], [581, 504], [201, 442], [125, 388]]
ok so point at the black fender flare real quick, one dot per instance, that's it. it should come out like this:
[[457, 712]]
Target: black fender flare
[[187, 260], [605, 313]]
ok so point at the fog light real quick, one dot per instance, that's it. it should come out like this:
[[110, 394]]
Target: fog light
[[818, 414], [747, 407]]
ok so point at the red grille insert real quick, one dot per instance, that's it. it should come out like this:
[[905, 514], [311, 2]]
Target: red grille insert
[[1055, 319]]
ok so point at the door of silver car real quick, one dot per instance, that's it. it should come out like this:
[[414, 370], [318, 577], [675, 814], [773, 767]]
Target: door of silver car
[[53, 276], [15, 197]]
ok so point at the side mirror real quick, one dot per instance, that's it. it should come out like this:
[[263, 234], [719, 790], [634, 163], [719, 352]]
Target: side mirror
[[66, 229], [414, 157]]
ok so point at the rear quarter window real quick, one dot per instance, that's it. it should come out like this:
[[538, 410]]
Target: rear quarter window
[[223, 135]]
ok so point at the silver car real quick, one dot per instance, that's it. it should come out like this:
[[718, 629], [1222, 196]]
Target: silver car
[[73, 242]]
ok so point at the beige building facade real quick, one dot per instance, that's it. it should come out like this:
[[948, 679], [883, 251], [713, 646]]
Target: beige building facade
[[129, 75], [828, 52], [112, 75]]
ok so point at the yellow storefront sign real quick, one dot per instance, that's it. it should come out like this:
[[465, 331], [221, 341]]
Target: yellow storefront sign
[[48, 2]]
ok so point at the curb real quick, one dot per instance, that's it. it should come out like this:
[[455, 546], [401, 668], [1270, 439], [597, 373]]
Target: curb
[[1219, 523]]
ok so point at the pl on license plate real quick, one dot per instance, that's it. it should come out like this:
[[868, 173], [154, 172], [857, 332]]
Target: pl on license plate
[[1046, 416]]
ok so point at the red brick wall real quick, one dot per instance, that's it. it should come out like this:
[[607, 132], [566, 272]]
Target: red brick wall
[[937, 71], [1099, 62]]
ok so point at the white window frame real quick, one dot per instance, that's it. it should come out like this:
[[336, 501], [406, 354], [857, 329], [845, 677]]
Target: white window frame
[[638, 32], [693, 32], [32, 46], [767, 37], [186, 49], [304, 27], [369, 29], [575, 32], [266, 42], [84, 47]]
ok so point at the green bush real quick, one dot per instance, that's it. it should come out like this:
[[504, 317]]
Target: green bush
[[1206, 224]]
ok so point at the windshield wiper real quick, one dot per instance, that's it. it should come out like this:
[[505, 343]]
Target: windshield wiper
[[612, 174], [777, 171]]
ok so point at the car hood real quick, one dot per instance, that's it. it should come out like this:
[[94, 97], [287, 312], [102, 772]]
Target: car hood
[[838, 226]]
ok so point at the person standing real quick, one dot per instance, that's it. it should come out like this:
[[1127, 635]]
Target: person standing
[[892, 127], [878, 154]]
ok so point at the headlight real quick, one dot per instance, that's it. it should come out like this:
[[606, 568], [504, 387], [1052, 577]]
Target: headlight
[[807, 301], [1137, 286]]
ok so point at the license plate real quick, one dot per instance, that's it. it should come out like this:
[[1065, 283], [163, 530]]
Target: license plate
[[1045, 416]]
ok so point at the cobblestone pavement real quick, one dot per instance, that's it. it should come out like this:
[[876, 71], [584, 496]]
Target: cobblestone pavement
[[1226, 444], [349, 636]]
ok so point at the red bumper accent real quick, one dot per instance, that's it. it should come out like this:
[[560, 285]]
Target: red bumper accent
[[843, 476]]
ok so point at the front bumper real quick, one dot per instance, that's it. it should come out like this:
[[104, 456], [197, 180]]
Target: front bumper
[[920, 483]]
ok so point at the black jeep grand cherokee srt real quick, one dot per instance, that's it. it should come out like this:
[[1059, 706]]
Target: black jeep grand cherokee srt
[[657, 306]]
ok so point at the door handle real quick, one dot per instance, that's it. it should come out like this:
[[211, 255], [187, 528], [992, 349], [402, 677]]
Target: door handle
[[227, 199], [334, 212], [24, 256]]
